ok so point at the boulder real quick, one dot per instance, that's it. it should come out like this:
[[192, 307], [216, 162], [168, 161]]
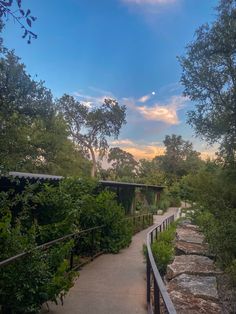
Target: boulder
[[182, 247], [189, 235], [204, 287], [189, 304], [191, 264]]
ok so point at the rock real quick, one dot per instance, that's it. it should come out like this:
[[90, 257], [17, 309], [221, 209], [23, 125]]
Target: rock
[[204, 287], [188, 225], [189, 304], [182, 247], [189, 235], [191, 264]]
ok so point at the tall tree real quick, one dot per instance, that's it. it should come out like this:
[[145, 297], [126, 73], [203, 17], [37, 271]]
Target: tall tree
[[90, 127], [32, 136], [179, 158], [209, 78], [123, 163], [149, 172]]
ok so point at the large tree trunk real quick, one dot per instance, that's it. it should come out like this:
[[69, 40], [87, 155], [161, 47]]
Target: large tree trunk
[[94, 166]]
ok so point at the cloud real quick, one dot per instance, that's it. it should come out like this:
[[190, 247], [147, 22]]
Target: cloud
[[147, 152], [144, 98], [163, 112], [151, 2], [89, 100], [139, 150], [122, 142]]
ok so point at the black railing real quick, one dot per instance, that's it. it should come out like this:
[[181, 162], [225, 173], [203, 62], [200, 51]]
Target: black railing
[[45, 246], [89, 247], [140, 222], [159, 301]]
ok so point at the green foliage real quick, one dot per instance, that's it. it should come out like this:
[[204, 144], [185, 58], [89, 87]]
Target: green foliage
[[41, 213], [214, 191], [123, 164], [149, 172], [90, 128], [32, 280], [163, 248], [33, 137], [209, 80], [232, 271], [179, 158], [174, 195]]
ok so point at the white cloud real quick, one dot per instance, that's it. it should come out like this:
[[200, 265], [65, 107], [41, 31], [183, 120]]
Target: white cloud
[[122, 142], [144, 98], [163, 112]]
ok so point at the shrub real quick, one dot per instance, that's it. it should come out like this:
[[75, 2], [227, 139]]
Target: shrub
[[163, 248], [163, 254], [40, 214], [28, 282]]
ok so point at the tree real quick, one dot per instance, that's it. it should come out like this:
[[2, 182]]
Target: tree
[[179, 158], [123, 163], [149, 172], [13, 8], [90, 127], [209, 79], [33, 137]]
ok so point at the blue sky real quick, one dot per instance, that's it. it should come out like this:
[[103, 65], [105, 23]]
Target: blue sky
[[124, 49]]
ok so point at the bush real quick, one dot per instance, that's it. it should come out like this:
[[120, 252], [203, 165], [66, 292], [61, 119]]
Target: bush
[[214, 191], [163, 248], [30, 281], [163, 254], [39, 214]]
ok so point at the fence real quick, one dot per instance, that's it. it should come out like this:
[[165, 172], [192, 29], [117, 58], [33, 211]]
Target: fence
[[160, 295], [86, 242]]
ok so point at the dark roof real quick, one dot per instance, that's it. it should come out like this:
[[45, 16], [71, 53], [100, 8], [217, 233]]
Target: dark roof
[[27, 175], [138, 185], [46, 177]]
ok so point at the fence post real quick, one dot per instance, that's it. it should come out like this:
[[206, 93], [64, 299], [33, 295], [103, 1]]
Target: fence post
[[72, 256], [92, 246], [156, 298], [148, 280]]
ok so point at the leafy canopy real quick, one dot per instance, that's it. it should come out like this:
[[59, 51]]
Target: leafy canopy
[[90, 127], [209, 79]]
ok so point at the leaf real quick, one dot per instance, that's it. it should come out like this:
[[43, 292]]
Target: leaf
[[6, 4], [22, 12], [28, 21], [27, 13], [19, 3], [25, 33], [33, 18]]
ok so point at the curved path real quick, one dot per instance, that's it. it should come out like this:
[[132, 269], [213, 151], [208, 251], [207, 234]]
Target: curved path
[[112, 283]]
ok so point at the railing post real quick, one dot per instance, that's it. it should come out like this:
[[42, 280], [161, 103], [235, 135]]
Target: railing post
[[72, 255], [151, 237], [156, 298], [148, 280], [92, 246]]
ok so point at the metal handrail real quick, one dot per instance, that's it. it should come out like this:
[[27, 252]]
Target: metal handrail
[[48, 244], [68, 236], [160, 291]]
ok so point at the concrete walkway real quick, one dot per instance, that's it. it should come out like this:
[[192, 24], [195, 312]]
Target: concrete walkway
[[112, 283]]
